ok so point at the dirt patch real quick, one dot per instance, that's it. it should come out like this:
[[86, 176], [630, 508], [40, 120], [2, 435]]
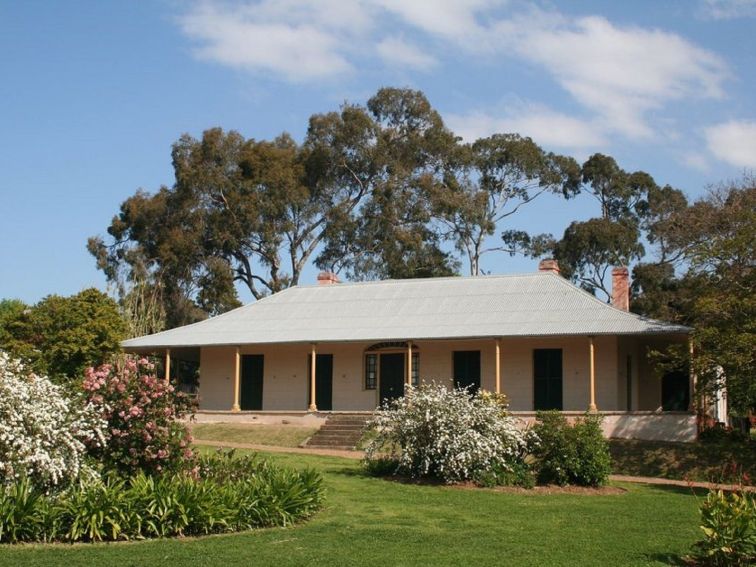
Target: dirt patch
[[548, 489]]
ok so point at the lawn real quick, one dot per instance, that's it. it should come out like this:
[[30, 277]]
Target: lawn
[[710, 461], [370, 521], [278, 435]]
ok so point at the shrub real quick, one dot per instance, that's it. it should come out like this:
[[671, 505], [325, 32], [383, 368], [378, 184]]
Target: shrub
[[516, 474], [577, 454], [445, 434], [142, 414], [44, 434], [728, 522], [233, 494]]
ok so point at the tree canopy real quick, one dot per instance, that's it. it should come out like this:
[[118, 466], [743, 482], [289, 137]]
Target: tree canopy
[[384, 190], [62, 336], [704, 276]]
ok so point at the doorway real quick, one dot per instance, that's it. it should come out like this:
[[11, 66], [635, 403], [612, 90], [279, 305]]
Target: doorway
[[547, 379], [467, 370], [391, 376], [252, 366]]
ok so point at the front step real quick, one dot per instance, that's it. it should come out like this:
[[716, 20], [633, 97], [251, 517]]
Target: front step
[[340, 431]]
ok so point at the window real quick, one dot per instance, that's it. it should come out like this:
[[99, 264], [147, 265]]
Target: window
[[415, 369], [371, 371]]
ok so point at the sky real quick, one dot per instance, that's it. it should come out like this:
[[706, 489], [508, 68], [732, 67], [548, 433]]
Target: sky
[[93, 94]]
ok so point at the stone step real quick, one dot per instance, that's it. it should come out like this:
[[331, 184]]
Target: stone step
[[340, 431], [341, 438], [339, 427]]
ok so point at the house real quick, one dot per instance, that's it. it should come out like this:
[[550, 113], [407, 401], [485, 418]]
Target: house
[[536, 337]]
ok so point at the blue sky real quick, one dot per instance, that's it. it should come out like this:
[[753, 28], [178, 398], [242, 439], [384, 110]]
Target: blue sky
[[93, 94]]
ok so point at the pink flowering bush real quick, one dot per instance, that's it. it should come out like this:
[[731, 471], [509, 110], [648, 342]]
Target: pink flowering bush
[[143, 413]]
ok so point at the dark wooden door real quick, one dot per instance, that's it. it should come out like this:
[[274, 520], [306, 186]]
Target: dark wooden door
[[252, 382], [467, 370], [323, 382], [392, 368], [547, 379], [676, 391]]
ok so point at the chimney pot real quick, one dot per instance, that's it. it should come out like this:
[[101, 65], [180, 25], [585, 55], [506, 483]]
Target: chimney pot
[[621, 288], [328, 278], [549, 265]]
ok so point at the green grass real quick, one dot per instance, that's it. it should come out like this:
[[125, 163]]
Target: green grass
[[278, 435], [371, 521], [712, 461]]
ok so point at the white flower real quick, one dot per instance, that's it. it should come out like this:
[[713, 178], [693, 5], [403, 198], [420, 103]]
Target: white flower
[[42, 432]]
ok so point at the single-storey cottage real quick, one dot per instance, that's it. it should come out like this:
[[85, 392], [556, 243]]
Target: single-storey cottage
[[536, 337]]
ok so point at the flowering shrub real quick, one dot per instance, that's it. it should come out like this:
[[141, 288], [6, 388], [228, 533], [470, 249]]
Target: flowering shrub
[[446, 434], [142, 413], [44, 435]]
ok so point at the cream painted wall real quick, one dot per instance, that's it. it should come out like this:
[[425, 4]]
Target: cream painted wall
[[216, 386], [285, 382]]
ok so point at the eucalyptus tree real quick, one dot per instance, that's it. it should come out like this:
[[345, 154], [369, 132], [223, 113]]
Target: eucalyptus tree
[[392, 234], [488, 182]]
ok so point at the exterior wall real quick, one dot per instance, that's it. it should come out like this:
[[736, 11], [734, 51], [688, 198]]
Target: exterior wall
[[678, 427], [216, 387], [517, 371], [286, 379]]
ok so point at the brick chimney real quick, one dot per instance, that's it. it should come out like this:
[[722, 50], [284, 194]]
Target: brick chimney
[[549, 265], [328, 278], [621, 288]]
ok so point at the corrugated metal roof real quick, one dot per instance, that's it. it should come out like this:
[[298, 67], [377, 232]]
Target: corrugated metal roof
[[538, 304]]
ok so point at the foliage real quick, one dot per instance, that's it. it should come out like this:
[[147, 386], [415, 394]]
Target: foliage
[[370, 522], [381, 190], [44, 434], [518, 474], [711, 243], [231, 494], [493, 179], [142, 414], [570, 454], [726, 460], [589, 249], [728, 522], [437, 432], [61, 336]]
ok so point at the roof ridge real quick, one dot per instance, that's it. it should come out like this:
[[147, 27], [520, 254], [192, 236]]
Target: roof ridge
[[408, 280]]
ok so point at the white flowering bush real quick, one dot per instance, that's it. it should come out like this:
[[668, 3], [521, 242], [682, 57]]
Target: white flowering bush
[[44, 435], [446, 434]]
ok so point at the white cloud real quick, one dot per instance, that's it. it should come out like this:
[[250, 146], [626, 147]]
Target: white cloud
[[618, 73], [297, 43], [621, 75], [733, 142], [695, 160], [728, 9], [448, 18], [546, 126], [396, 51]]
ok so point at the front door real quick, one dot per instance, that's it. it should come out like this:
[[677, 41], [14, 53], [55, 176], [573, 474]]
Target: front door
[[323, 382], [252, 381], [467, 370], [547, 379], [392, 376]]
